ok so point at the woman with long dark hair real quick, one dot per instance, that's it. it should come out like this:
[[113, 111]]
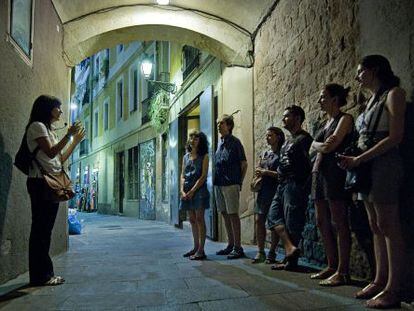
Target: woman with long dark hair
[[328, 185], [49, 152], [387, 104], [195, 197]]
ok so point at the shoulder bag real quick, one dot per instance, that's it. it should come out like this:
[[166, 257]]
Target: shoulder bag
[[256, 183], [59, 185], [359, 179]]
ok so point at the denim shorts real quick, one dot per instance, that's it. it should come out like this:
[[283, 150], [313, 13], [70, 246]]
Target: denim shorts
[[288, 208]]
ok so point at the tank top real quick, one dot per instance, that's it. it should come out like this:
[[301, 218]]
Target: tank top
[[327, 131], [367, 122], [193, 170], [324, 160]]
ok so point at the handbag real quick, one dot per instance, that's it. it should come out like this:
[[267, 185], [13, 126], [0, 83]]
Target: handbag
[[256, 183], [359, 179], [59, 185]]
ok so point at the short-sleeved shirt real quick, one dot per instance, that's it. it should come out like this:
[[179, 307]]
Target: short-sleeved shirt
[[294, 157], [35, 131], [227, 161], [268, 161]]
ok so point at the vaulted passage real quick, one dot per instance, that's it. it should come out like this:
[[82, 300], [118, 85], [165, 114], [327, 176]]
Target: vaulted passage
[[242, 57]]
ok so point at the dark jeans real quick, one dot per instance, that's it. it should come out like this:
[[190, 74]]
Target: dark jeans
[[288, 208], [43, 218]]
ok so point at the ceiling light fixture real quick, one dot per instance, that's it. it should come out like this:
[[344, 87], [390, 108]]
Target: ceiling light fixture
[[163, 2]]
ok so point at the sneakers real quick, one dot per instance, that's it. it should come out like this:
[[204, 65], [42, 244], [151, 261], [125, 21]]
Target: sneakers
[[236, 253], [225, 251]]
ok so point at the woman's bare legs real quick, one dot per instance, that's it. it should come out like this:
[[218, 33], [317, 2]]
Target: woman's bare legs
[[392, 250], [201, 225], [194, 229], [339, 216], [260, 231], [323, 222]]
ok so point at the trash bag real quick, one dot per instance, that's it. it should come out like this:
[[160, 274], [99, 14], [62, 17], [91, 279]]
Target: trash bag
[[75, 226]]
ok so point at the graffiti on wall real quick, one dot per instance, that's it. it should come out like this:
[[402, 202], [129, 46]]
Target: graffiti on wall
[[147, 180]]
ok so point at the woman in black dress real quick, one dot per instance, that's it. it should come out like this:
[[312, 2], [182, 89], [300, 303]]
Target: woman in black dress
[[328, 181]]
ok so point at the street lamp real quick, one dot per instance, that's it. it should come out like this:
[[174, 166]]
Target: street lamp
[[146, 68]]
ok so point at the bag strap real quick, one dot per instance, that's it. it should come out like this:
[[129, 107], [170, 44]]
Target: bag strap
[[42, 170], [377, 97]]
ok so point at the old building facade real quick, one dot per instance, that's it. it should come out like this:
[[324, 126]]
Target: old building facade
[[282, 53]]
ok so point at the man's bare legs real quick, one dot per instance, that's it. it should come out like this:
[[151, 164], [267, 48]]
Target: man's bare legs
[[229, 229]]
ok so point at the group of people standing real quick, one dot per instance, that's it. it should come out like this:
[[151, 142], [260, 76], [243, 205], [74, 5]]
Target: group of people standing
[[298, 165]]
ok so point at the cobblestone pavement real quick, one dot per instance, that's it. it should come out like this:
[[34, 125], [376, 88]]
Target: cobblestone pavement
[[121, 263]]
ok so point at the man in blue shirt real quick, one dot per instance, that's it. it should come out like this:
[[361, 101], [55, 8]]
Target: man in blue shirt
[[230, 169]]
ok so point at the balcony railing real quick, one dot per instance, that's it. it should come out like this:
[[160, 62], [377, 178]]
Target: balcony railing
[[145, 110], [83, 147], [192, 64]]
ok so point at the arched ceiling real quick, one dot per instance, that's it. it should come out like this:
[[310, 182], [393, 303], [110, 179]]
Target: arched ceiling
[[224, 28]]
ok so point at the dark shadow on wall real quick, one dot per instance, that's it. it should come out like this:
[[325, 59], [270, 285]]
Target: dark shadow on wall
[[6, 167]]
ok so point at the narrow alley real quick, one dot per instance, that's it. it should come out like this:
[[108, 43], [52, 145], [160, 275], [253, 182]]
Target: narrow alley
[[121, 263]]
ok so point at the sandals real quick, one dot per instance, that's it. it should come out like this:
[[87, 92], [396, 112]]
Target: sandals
[[324, 274], [294, 256], [260, 257], [384, 300], [336, 279], [198, 256], [54, 281], [271, 258], [190, 253], [369, 291]]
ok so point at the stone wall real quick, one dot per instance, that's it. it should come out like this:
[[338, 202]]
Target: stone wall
[[305, 44], [20, 84], [302, 46]]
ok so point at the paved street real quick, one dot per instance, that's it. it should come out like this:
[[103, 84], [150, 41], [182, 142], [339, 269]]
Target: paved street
[[121, 263]]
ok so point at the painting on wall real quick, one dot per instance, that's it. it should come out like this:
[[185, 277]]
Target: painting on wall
[[21, 23], [147, 180]]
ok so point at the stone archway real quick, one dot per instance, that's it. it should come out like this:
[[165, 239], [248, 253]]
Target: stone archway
[[221, 28]]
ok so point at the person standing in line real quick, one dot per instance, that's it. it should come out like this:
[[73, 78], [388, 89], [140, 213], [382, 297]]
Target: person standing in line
[[195, 197], [230, 170], [328, 181], [266, 169], [41, 137], [287, 210], [388, 104]]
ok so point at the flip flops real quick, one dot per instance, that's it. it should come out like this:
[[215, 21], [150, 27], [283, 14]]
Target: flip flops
[[324, 274], [54, 281]]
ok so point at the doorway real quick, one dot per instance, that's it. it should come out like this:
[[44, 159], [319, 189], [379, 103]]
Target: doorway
[[200, 116], [120, 178]]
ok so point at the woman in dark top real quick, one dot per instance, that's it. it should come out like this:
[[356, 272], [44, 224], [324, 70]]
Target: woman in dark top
[[374, 73], [328, 181], [195, 197], [268, 163]]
